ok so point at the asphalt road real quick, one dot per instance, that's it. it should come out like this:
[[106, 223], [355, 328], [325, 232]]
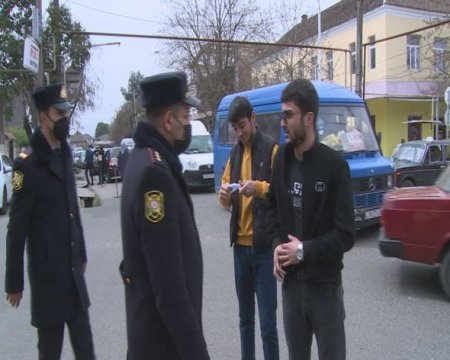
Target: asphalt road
[[395, 310]]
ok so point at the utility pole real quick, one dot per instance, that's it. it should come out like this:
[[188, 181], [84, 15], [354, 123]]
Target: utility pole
[[39, 77], [359, 33], [59, 61]]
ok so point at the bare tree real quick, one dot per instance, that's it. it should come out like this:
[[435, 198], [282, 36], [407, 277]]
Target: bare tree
[[212, 65], [283, 64], [121, 126]]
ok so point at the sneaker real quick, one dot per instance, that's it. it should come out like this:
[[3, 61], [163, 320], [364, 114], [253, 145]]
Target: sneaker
[[85, 186]]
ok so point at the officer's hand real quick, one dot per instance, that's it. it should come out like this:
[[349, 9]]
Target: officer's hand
[[247, 188], [14, 299], [223, 192]]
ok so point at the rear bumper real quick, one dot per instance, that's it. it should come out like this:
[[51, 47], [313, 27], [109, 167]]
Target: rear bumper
[[389, 247]]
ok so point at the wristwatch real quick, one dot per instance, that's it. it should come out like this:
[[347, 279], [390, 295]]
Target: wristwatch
[[300, 251]]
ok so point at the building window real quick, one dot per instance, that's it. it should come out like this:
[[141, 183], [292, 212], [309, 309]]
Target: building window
[[372, 53], [330, 65], [314, 69], [413, 52], [439, 65], [353, 63]]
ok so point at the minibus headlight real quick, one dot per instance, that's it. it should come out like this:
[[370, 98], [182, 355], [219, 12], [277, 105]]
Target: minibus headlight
[[390, 182]]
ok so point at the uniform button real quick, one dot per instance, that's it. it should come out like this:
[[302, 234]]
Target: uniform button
[[128, 280], [71, 215], [73, 269], [72, 243]]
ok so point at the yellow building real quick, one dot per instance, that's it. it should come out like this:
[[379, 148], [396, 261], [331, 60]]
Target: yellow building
[[404, 78]]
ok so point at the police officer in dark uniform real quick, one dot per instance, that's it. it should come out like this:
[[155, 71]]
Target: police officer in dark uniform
[[162, 264], [44, 214]]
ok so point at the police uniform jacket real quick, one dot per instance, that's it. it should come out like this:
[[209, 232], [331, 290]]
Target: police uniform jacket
[[162, 264], [44, 214]]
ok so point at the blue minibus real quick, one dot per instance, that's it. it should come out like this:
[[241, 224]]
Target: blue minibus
[[342, 123]]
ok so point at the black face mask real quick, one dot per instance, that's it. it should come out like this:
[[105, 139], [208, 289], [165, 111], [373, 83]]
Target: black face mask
[[181, 145], [61, 128]]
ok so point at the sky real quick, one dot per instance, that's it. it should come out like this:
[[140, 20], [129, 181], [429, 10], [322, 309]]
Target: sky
[[111, 65]]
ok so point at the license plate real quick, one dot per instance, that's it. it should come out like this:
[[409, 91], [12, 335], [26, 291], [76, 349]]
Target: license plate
[[372, 214], [208, 176]]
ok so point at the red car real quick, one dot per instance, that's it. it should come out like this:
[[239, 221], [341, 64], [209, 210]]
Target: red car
[[416, 225]]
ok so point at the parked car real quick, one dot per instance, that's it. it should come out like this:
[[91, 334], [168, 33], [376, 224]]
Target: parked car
[[112, 163], [419, 163], [78, 158], [416, 226], [6, 172]]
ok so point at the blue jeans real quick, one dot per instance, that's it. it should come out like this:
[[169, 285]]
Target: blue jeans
[[253, 273]]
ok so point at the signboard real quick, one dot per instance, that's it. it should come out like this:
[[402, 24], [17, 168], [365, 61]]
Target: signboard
[[36, 27], [31, 55]]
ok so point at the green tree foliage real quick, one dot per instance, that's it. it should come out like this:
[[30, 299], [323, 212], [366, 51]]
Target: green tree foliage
[[126, 117], [20, 135], [15, 25], [101, 129]]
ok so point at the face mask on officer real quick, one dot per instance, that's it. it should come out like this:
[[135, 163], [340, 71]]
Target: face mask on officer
[[181, 145], [61, 128]]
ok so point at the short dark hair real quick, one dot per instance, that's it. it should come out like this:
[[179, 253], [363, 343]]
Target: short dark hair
[[240, 108], [303, 93]]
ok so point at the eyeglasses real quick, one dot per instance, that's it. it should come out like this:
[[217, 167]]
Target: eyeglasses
[[287, 114]]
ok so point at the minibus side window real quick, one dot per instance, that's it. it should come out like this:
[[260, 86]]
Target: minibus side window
[[269, 124]]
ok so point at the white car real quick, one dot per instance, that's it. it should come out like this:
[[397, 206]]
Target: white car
[[6, 168]]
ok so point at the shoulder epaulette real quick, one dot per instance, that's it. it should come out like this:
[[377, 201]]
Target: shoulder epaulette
[[154, 156]]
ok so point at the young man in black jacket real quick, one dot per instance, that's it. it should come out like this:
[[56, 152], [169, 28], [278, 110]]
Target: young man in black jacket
[[250, 165], [311, 226]]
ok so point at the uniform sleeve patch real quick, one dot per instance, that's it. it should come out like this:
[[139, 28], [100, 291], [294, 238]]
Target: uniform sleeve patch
[[154, 206], [17, 180]]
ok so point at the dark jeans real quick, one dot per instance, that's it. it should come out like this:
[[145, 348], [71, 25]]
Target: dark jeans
[[88, 172], [313, 309], [253, 275], [50, 340]]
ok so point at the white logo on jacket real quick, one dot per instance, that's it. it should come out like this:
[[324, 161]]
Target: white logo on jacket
[[320, 186]]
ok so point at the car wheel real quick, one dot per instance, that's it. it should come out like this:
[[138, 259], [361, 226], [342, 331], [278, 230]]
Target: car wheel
[[3, 208], [407, 183], [444, 273]]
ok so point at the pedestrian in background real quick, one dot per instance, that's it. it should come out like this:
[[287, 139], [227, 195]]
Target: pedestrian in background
[[122, 158], [101, 160], [162, 266], [311, 226], [44, 214], [89, 166], [250, 165]]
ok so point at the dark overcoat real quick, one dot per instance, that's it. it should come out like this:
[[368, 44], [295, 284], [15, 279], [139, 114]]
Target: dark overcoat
[[162, 264], [44, 214]]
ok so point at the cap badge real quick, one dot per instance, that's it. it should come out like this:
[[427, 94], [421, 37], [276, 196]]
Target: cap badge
[[154, 206]]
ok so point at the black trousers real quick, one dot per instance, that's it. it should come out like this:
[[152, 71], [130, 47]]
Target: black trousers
[[88, 172], [50, 340], [313, 309]]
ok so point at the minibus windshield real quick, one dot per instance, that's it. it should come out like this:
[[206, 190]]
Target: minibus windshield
[[200, 144], [346, 129]]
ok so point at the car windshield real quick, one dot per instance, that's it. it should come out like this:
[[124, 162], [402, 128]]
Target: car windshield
[[200, 144], [346, 128], [443, 181], [410, 153]]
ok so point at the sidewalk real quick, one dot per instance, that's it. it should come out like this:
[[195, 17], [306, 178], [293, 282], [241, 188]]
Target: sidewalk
[[99, 192]]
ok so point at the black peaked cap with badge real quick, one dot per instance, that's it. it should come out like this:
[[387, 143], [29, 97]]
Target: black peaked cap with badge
[[166, 89], [51, 95]]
